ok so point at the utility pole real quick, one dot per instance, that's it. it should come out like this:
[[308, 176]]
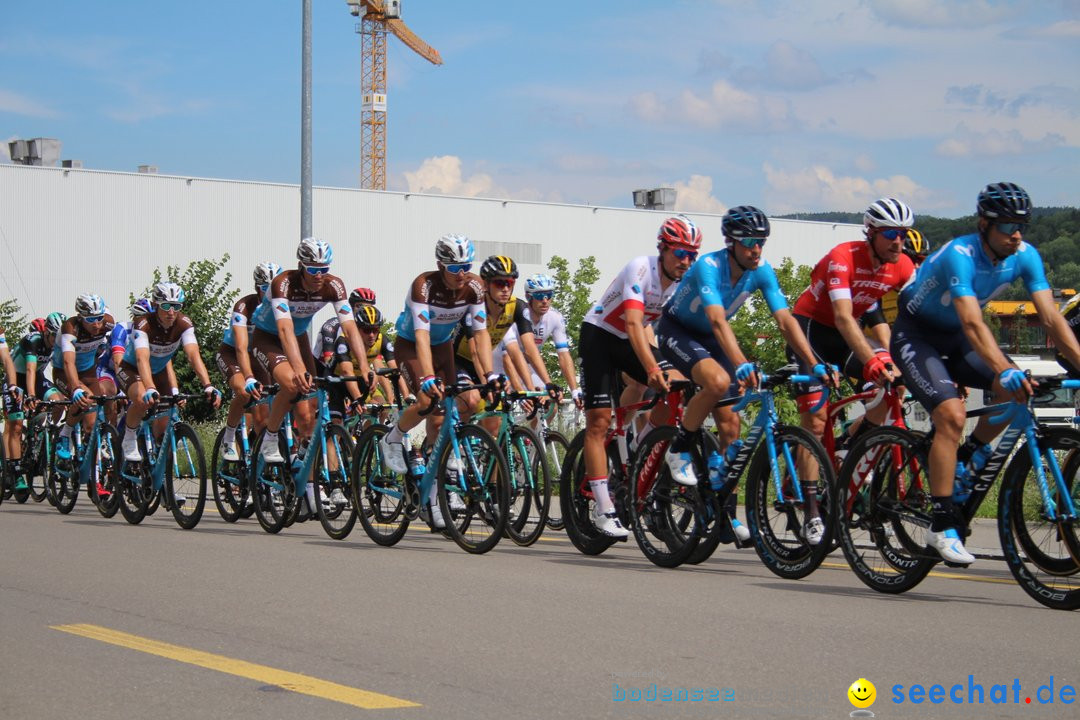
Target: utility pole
[[305, 127]]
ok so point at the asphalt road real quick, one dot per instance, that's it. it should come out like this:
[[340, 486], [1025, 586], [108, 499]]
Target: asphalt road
[[102, 620]]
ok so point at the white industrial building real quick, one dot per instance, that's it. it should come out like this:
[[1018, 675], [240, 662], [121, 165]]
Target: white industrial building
[[66, 231]]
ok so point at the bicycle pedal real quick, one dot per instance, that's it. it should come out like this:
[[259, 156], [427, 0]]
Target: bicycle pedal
[[959, 566]]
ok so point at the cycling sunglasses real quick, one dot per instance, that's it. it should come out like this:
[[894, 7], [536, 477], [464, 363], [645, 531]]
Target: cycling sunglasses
[[893, 233], [93, 318], [502, 283], [751, 242], [171, 306], [455, 268], [547, 295], [316, 269], [1011, 228], [682, 254]]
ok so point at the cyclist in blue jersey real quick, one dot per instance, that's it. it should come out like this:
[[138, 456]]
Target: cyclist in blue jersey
[[112, 352], [74, 362], [940, 340], [695, 337]]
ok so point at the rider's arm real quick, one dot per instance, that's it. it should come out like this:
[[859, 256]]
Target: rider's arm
[[848, 327], [566, 364], [978, 334], [512, 366], [31, 376], [191, 350], [240, 340], [9, 364], [532, 352], [639, 338], [724, 334], [67, 347], [1056, 326], [482, 351], [345, 369]]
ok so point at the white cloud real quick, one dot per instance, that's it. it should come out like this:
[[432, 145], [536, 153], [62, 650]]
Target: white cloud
[[1060, 29], [818, 188], [17, 104], [786, 68], [966, 142], [442, 175], [5, 153], [937, 14], [696, 195], [725, 106]]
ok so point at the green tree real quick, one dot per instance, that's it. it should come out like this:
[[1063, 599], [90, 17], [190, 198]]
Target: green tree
[[208, 302], [573, 296], [13, 322]]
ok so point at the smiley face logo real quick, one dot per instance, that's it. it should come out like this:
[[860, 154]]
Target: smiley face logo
[[862, 693]]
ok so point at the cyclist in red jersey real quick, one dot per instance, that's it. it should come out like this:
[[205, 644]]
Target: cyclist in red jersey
[[844, 285]]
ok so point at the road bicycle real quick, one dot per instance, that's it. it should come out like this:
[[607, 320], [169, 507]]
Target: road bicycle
[[92, 464]]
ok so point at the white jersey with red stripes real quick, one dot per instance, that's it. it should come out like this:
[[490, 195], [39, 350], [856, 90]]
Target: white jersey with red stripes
[[637, 286]]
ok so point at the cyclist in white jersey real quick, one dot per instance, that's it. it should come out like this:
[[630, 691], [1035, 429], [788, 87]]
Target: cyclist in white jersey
[[617, 337]]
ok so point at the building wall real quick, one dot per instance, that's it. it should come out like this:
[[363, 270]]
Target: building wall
[[64, 232]]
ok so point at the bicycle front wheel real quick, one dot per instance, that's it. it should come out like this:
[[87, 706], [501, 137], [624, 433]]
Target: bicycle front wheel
[[530, 478], [882, 510], [777, 516], [228, 482], [380, 495], [185, 478], [331, 474], [37, 465], [556, 448], [661, 511], [483, 484], [272, 489], [576, 499], [104, 484], [1042, 552]]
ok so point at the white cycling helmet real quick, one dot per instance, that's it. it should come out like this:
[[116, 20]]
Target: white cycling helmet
[[888, 213], [89, 304], [265, 272], [167, 292], [312, 251], [454, 249], [539, 283]]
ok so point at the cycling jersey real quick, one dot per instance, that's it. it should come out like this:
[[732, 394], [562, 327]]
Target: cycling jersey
[[147, 333], [636, 286], [286, 298], [337, 350], [963, 269], [847, 273], [708, 282], [31, 348], [117, 343], [432, 306], [74, 337], [241, 316], [512, 316], [550, 326]]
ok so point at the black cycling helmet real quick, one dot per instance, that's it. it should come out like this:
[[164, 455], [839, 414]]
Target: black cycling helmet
[[916, 246], [368, 316], [1004, 200], [499, 266], [744, 221]]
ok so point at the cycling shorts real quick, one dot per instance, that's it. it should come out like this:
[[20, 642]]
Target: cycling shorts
[[684, 348], [830, 347], [603, 356]]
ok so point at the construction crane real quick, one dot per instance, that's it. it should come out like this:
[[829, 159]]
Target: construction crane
[[378, 17]]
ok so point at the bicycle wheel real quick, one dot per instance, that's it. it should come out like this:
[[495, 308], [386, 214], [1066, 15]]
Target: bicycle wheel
[[380, 495], [556, 448], [576, 500], [1040, 553], [334, 500], [776, 518], [882, 509], [134, 487], [716, 520], [228, 482], [36, 465], [104, 477], [483, 484], [662, 512], [530, 487], [273, 490], [185, 478], [66, 481]]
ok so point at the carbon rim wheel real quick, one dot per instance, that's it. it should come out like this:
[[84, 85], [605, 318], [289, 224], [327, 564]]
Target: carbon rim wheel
[[483, 485], [380, 495], [332, 474]]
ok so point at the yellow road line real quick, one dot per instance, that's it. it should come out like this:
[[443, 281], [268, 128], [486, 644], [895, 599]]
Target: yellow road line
[[284, 679], [938, 573]]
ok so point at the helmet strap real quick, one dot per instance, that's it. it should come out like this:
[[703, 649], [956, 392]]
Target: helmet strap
[[872, 232], [735, 258], [984, 235]]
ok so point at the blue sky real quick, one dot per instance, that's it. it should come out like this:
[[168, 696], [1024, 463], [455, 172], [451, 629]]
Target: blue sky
[[792, 106]]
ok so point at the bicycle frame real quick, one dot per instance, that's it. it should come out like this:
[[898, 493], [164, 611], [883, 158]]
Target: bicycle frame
[[168, 441]]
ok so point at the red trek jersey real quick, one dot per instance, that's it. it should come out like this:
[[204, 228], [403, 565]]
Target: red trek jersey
[[847, 273]]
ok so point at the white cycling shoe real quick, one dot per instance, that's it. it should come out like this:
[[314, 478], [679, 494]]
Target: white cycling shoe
[[949, 546], [813, 531], [393, 456], [681, 466], [608, 523], [742, 533]]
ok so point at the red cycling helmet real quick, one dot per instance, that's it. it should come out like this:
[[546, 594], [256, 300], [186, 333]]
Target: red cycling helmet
[[362, 296], [680, 230]]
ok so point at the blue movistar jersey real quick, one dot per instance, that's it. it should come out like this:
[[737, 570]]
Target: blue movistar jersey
[[963, 269], [708, 282]]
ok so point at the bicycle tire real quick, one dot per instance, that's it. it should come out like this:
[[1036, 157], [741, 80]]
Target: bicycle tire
[[380, 495], [530, 478], [557, 447], [185, 477], [881, 520], [659, 508], [67, 486], [576, 503], [717, 523], [341, 521], [776, 522], [1038, 553], [133, 487], [483, 484], [36, 478], [104, 468], [228, 482], [272, 490]]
